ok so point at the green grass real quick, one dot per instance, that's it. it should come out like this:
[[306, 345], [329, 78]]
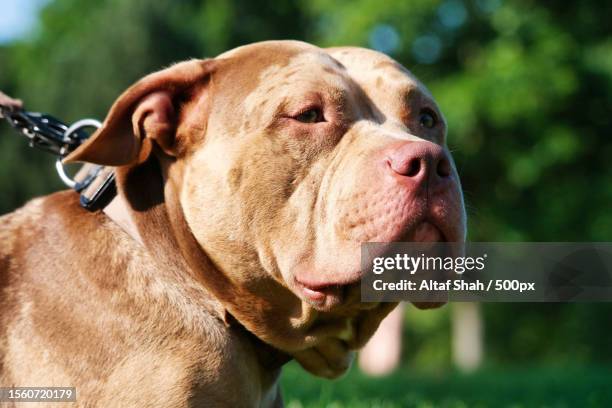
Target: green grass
[[493, 387]]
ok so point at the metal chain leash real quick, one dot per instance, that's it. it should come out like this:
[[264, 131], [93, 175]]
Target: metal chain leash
[[49, 134]]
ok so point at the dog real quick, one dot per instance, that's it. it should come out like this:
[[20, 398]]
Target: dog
[[249, 181]]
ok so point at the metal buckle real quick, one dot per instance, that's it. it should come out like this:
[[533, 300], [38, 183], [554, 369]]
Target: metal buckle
[[101, 196], [74, 129], [97, 183]]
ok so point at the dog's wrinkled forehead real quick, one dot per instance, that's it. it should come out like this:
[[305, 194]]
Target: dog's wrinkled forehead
[[366, 65], [252, 75], [307, 71], [389, 85], [259, 75]]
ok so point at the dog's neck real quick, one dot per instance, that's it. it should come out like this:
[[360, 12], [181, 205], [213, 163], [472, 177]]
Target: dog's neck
[[142, 210], [118, 211]]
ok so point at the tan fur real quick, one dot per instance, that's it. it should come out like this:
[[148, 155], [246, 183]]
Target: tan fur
[[236, 204]]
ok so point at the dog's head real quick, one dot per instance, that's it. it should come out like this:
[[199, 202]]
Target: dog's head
[[282, 159]]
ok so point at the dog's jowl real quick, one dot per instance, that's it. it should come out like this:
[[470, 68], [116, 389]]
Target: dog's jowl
[[250, 181]]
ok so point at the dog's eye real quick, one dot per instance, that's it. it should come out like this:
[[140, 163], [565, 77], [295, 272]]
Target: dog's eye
[[310, 116], [428, 119]]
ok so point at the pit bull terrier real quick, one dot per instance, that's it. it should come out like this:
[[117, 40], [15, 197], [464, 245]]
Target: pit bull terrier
[[250, 181]]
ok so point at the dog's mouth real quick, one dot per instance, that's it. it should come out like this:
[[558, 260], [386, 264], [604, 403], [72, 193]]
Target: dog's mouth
[[327, 295], [324, 295]]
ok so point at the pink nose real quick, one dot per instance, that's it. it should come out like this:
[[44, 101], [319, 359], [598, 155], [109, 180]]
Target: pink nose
[[421, 162]]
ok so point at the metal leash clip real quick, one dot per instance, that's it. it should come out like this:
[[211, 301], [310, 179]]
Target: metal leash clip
[[73, 132], [45, 132]]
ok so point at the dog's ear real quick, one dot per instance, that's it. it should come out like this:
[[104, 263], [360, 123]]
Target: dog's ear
[[146, 113]]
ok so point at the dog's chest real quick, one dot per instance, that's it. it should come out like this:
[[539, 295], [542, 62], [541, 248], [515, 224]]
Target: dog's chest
[[192, 376], [181, 371], [185, 368]]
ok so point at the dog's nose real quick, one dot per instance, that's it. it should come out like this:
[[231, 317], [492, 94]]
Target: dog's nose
[[420, 162]]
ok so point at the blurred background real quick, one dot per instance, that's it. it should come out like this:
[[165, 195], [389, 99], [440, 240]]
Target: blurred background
[[526, 88]]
